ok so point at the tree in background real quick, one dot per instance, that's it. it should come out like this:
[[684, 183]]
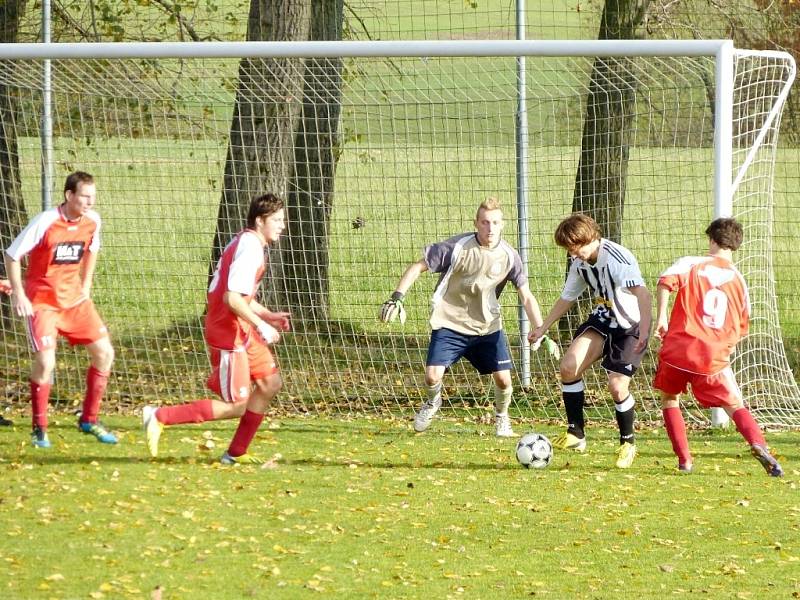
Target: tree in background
[[284, 138], [607, 127], [12, 209]]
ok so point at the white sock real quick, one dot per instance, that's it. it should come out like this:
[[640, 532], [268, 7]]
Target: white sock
[[502, 399], [434, 393]]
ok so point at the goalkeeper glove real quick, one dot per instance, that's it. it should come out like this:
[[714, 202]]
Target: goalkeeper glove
[[268, 333], [393, 309], [549, 345]]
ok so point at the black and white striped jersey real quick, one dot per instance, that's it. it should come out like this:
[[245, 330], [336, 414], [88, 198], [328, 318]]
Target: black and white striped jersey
[[609, 279]]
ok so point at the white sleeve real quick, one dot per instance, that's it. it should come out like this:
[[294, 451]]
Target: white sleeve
[[94, 246], [31, 235], [246, 262], [628, 275], [574, 285]]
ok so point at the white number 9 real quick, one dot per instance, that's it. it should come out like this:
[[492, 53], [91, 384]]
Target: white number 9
[[715, 307]]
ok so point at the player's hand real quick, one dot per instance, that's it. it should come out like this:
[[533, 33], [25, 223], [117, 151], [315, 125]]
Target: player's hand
[[392, 309], [5, 287], [661, 329], [22, 306], [268, 333], [279, 320], [641, 343]]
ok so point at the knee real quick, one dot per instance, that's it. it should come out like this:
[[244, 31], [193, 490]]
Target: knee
[[502, 380], [103, 356], [568, 369], [43, 365], [619, 391], [269, 386], [432, 379]]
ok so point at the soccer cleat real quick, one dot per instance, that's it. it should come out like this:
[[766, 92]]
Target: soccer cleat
[[625, 456], [99, 431], [502, 426], [423, 418], [767, 460], [39, 438], [5, 422], [244, 459], [685, 468], [152, 429], [567, 441]]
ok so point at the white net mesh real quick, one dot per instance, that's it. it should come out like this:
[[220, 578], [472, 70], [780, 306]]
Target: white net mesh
[[377, 157]]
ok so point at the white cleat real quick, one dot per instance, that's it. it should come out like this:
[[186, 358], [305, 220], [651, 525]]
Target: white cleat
[[152, 429], [502, 426], [423, 418]]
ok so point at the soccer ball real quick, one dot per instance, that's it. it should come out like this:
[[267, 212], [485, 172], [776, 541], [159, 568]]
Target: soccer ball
[[534, 451]]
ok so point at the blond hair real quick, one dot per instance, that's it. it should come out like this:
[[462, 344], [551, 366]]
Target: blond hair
[[491, 203]]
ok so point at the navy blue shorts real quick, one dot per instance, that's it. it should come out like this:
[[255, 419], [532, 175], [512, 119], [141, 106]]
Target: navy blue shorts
[[487, 353]]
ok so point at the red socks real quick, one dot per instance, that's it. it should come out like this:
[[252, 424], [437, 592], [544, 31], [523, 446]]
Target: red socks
[[248, 426], [748, 427], [676, 430], [40, 394], [193, 412], [96, 382]]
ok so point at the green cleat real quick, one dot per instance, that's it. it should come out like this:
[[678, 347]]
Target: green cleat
[[244, 459], [152, 429]]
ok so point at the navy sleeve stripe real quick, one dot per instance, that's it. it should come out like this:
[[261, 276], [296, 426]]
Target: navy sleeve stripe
[[617, 255]]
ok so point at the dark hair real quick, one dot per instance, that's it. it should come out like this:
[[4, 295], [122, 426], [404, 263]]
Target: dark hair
[[577, 230], [73, 179], [726, 232], [263, 206]]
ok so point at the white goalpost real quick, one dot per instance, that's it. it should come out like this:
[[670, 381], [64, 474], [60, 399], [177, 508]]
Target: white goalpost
[[381, 148]]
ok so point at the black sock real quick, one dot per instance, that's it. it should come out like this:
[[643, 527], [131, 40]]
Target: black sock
[[573, 395], [625, 416]]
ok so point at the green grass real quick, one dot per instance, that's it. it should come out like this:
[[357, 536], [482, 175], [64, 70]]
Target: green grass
[[366, 509]]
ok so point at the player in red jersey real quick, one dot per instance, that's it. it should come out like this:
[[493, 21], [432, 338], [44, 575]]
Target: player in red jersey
[[711, 314], [61, 245], [238, 330]]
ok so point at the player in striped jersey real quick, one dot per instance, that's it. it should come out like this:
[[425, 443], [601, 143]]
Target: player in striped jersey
[[238, 332], [617, 329], [710, 315], [61, 245]]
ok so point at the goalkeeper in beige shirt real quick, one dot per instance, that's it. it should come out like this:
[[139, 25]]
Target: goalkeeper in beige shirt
[[465, 319]]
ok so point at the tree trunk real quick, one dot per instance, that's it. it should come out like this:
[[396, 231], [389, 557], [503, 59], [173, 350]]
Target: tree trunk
[[268, 104], [12, 208], [603, 167], [305, 250]]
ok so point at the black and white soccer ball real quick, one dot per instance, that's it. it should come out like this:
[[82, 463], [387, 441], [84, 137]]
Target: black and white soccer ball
[[534, 451]]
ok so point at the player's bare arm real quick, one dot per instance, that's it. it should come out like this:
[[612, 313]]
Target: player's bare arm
[[662, 318], [87, 276], [531, 305], [645, 301], [278, 319], [241, 308], [19, 300], [559, 309], [393, 308]]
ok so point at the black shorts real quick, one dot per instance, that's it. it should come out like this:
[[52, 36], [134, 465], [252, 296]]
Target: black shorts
[[618, 348]]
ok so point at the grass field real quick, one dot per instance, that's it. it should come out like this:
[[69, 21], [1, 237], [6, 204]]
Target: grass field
[[367, 509]]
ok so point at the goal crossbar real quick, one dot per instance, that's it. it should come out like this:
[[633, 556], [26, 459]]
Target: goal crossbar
[[352, 49]]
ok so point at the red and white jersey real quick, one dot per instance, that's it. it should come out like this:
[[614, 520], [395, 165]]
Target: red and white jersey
[[710, 315], [55, 248], [239, 269]]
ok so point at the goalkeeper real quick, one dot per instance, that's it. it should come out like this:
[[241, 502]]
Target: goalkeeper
[[465, 320]]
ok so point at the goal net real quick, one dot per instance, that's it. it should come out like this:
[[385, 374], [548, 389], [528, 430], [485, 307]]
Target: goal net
[[378, 156]]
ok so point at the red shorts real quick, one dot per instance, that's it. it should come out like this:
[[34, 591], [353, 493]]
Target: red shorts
[[233, 371], [710, 391], [80, 324]]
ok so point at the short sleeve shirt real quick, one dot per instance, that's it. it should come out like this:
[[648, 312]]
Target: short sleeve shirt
[[239, 269], [710, 315], [608, 280], [56, 248], [471, 280]]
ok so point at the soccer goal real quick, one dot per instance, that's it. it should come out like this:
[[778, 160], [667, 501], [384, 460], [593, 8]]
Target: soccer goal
[[381, 148]]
